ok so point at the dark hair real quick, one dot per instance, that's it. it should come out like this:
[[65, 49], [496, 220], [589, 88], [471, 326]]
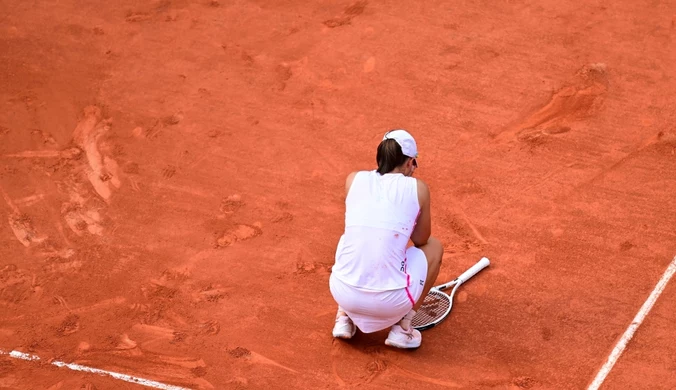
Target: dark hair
[[389, 156]]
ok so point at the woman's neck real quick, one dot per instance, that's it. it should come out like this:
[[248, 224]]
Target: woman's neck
[[397, 170]]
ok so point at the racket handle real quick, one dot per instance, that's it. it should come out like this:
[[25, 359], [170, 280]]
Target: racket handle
[[481, 264]]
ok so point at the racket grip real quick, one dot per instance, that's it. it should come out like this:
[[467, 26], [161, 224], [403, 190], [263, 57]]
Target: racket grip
[[481, 264]]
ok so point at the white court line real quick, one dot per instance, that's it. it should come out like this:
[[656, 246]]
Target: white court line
[[77, 367], [629, 333]]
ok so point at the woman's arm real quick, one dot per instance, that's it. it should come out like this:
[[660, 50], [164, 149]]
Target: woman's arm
[[348, 182], [423, 228]]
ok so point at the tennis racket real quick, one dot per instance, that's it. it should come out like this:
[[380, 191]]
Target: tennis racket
[[437, 305]]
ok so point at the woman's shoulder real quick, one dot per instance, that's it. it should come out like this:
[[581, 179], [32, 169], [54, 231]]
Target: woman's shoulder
[[421, 184], [423, 191], [362, 173], [351, 176]]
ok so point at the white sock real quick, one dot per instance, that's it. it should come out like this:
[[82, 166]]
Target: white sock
[[340, 313], [405, 322]]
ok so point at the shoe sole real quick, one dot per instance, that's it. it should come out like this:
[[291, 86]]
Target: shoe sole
[[343, 336], [393, 344]]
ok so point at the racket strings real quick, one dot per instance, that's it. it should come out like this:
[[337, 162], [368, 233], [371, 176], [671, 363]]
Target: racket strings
[[434, 307]]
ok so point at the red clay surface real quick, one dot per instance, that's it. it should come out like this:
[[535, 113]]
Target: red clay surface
[[172, 177]]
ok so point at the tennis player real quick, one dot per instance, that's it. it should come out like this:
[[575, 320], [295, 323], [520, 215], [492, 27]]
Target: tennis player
[[378, 278]]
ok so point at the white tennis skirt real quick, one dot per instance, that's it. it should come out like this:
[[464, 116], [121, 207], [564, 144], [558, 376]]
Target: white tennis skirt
[[373, 310]]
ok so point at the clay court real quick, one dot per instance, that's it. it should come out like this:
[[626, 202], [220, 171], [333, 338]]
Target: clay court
[[172, 175]]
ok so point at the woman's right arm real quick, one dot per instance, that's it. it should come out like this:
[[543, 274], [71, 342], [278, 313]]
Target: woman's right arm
[[423, 228]]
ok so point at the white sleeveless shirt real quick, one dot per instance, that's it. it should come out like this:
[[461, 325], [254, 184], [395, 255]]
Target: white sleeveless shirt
[[380, 214]]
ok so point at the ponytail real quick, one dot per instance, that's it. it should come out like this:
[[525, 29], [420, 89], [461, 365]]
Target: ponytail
[[389, 156]]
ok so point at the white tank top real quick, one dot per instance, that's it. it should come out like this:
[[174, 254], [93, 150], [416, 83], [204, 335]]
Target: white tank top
[[380, 214]]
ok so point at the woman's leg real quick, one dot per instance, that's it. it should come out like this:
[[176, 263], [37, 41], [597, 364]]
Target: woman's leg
[[433, 253], [402, 335], [343, 328]]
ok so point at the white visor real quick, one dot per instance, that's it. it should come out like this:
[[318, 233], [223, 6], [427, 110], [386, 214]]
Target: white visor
[[405, 140]]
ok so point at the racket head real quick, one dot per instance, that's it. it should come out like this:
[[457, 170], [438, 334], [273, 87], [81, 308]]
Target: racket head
[[435, 308]]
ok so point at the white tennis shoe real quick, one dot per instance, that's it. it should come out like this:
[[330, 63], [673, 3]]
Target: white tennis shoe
[[401, 338], [344, 328]]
